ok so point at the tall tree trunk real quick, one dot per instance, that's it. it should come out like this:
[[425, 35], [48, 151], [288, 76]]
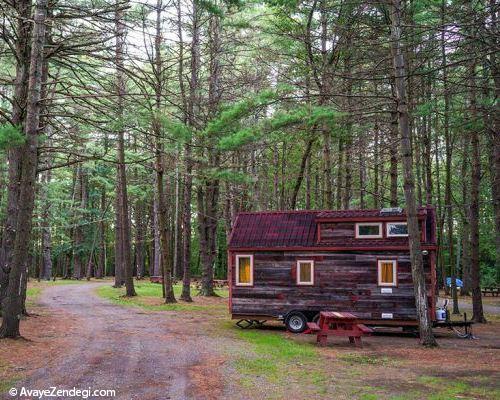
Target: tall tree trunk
[[156, 270], [163, 212], [448, 147], [362, 173], [394, 148], [177, 220], [298, 182], [276, 181], [123, 212], [427, 125], [376, 167], [46, 270], [78, 238], [139, 238], [101, 267], [13, 303], [466, 288], [118, 265], [165, 234], [308, 183], [22, 50], [323, 99], [340, 174], [191, 107], [494, 133], [186, 223], [207, 224], [477, 302], [209, 190], [425, 323]]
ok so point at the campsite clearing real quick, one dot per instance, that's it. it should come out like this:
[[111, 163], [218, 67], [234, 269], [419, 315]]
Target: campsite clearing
[[78, 335]]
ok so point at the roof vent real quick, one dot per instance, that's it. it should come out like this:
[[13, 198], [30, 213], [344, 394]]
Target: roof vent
[[391, 211]]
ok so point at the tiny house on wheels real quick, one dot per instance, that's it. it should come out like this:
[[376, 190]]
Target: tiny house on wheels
[[290, 265]]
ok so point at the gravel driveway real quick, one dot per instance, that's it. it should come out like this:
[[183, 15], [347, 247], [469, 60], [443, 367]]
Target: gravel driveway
[[142, 355]]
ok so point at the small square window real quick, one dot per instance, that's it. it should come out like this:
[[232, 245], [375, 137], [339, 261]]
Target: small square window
[[387, 272], [244, 270], [397, 229], [305, 272], [369, 230]]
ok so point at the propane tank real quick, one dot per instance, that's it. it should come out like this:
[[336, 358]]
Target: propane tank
[[441, 314]]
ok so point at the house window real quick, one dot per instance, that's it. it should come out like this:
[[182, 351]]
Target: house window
[[305, 272], [244, 270], [369, 230], [397, 229], [387, 272]]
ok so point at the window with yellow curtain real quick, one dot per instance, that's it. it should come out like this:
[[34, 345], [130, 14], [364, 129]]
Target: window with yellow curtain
[[387, 272], [244, 265], [305, 272]]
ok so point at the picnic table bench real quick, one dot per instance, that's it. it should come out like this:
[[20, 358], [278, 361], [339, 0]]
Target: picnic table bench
[[338, 324], [494, 291]]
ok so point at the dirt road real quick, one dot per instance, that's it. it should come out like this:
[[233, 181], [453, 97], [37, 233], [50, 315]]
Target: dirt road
[[465, 305], [142, 355]]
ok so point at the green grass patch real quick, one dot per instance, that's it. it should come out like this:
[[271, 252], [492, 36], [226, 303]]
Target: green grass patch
[[6, 384], [147, 298], [363, 359], [446, 389], [33, 292], [7, 381], [271, 358], [265, 343], [430, 388], [32, 295], [369, 396]]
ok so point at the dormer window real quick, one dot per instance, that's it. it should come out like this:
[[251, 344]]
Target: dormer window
[[369, 230], [397, 229]]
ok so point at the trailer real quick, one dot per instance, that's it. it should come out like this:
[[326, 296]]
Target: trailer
[[291, 265]]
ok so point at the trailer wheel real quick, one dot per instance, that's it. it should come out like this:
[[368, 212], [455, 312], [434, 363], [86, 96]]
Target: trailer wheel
[[296, 322]]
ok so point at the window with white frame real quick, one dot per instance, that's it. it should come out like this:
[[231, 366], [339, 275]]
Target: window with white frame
[[305, 272], [387, 272], [244, 270], [397, 229], [368, 230]]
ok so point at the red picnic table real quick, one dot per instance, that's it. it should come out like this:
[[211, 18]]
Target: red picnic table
[[338, 324]]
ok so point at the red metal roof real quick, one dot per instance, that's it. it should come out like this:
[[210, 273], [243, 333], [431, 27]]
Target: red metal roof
[[298, 229], [274, 229]]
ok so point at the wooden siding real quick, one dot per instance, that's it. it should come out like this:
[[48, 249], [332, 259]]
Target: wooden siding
[[344, 281], [330, 230], [344, 234]]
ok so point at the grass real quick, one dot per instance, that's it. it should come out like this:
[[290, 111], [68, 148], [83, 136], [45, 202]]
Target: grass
[[271, 360], [278, 362], [433, 388], [149, 297], [32, 295], [363, 359], [33, 292], [445, 389], [7, 383]]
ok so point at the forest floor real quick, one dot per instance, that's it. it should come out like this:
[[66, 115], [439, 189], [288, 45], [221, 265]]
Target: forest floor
[[87, 335]]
